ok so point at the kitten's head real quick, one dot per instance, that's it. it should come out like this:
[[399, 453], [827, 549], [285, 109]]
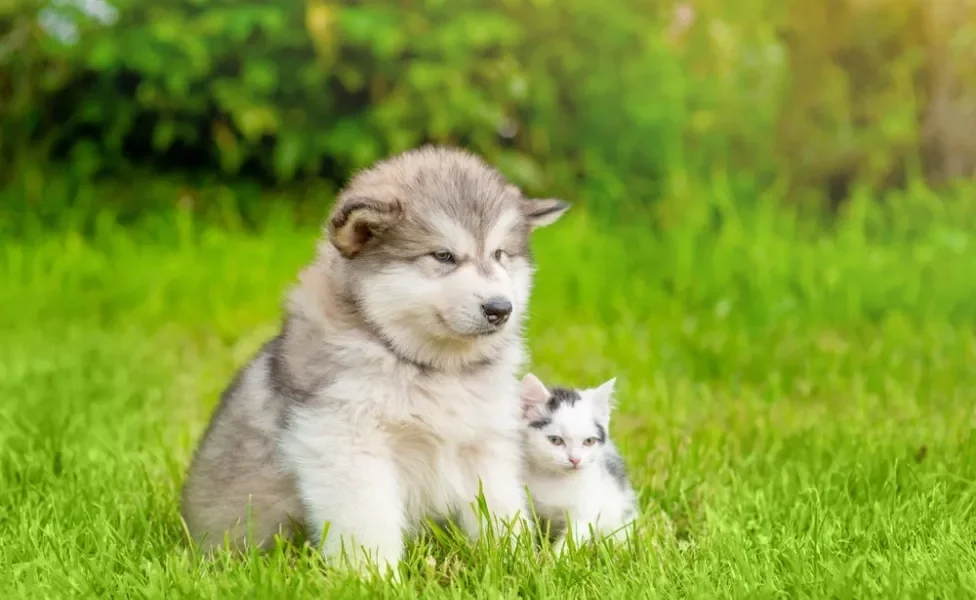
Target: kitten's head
[[566, 429]]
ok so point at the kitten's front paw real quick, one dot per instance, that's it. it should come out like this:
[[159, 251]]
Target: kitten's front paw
[[580, 533], [523, 530], [559, 547]]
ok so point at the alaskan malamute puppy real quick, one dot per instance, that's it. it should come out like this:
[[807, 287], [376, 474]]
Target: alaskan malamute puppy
[[391, 392]]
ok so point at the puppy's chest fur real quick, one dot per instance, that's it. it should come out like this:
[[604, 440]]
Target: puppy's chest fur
[[433, 427], [460, 409], [439, 430]]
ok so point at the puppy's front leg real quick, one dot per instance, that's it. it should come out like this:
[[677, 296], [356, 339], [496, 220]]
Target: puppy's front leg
[[350, 491], [497, 471]]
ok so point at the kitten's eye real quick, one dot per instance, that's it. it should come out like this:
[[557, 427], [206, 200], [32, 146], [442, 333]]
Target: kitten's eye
[[443, 256], [589, 441], [499, 254], [556, 440]]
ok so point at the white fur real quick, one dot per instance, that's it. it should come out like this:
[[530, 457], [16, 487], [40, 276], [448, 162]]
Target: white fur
[[452, 234], [496, 235], [391, 444], [404, 446], [416, 309], [389, 395], [585, 496]]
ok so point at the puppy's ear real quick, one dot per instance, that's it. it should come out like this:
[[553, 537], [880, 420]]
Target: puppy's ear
[[541, 212], [533, 395], [356, 221]]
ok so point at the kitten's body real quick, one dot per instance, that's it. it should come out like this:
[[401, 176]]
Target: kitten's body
[[574, 474]]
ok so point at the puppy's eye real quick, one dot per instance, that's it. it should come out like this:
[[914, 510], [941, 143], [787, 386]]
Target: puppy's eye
[[556, 440], [499, 254], [443, 256], [589, 441]]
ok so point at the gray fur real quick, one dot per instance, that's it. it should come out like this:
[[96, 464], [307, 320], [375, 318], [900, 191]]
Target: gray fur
[[540, 423], [383, 217], [601, 432], [614, 463], [560, 396], [593, 490]]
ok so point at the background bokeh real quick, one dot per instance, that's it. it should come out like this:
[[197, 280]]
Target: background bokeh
[[619, 103]]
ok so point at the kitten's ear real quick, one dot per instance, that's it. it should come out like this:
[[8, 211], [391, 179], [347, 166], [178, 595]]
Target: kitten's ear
[[533, 395], [542, 212], [604, 399]]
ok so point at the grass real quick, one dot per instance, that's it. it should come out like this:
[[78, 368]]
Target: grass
[[797, 399]]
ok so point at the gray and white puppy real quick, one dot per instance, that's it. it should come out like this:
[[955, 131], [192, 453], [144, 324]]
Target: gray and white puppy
[[390, 394]]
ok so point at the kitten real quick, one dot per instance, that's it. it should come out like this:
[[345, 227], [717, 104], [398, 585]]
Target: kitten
[[573, 472]]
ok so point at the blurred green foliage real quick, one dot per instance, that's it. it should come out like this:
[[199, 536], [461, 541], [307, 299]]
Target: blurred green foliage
[[619, 102]]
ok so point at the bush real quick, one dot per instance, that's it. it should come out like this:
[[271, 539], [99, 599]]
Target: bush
[[622, 102]]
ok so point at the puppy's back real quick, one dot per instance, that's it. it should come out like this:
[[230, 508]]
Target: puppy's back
[[235, 472]]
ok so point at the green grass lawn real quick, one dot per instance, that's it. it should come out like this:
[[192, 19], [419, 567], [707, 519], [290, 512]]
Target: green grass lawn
[[800, 405]]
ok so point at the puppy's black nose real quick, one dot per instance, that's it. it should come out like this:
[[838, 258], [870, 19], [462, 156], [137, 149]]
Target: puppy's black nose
[[497, 310]]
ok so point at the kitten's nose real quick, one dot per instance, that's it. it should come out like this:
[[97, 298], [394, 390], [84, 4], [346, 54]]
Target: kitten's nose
[[574, 460], [497, 310]]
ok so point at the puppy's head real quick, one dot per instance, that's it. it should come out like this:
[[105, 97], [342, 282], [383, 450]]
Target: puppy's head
[[436, 250]]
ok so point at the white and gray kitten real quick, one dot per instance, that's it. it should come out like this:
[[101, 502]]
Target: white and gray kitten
[[573, 472]]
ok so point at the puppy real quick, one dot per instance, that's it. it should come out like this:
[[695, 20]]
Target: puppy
[[390, 393]]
